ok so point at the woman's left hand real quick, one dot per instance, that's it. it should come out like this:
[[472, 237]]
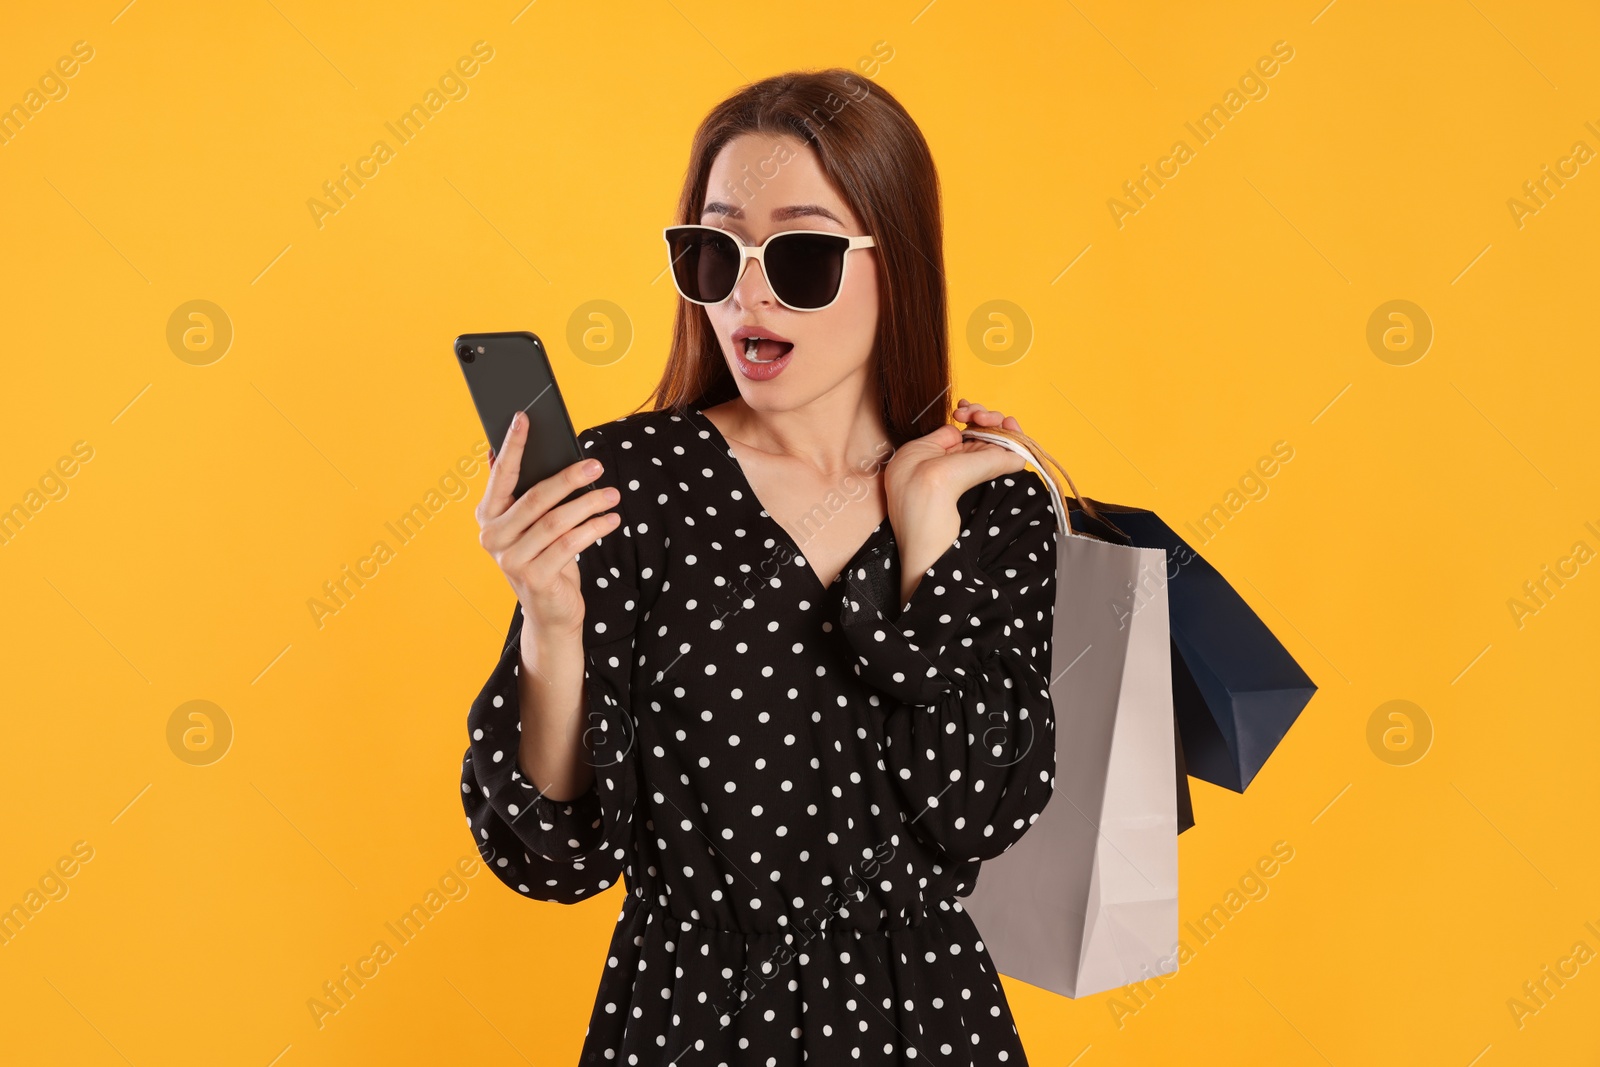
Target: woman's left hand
[[926, 477]]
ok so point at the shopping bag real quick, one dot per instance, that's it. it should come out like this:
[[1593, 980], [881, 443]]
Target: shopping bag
[[1235, 689], [1087, 899], [1099, 525]]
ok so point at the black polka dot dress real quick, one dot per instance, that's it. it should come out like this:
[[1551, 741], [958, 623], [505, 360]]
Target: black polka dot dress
[[795, 782]]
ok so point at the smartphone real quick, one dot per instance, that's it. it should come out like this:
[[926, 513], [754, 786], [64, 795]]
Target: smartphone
[[510, 372]]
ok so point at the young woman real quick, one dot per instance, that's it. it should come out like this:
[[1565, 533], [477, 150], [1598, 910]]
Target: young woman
[[784, 670]]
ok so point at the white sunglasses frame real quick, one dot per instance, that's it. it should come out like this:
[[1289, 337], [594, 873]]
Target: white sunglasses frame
[[757, 253]]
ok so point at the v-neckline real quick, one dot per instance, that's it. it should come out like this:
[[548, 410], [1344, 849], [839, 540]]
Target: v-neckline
[[765, 513]]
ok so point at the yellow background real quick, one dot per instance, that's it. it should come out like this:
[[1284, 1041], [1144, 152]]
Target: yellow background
[[1229, 313]]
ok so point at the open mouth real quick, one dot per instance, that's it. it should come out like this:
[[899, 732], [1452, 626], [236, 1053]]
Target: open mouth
[[765, 350]]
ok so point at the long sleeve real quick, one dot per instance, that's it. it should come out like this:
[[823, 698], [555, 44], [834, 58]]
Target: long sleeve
[[564, 851], [963, 668]]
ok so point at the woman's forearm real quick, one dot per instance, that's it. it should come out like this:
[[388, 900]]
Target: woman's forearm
[[551, 695]]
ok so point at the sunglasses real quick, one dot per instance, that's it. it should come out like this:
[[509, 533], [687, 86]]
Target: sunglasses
[[804, 268]]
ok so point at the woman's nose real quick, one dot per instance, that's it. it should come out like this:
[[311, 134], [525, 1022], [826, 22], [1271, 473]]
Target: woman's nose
[[752, 289]]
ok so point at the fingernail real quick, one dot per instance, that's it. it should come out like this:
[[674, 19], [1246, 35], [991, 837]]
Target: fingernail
[[592, 467]]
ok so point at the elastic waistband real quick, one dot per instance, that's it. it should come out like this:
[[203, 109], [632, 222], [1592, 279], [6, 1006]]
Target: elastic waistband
[[837, 916]]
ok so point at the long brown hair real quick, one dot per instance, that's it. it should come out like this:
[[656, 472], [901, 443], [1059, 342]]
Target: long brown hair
[[874, 154]]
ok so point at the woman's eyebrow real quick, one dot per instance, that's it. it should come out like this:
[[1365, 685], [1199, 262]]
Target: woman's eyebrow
[[795, 211], [779, 214]]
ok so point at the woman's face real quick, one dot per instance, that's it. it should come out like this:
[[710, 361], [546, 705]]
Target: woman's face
[[761, 184]]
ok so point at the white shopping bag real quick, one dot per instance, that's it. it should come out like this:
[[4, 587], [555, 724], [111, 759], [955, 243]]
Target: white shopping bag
[[1087, 900]]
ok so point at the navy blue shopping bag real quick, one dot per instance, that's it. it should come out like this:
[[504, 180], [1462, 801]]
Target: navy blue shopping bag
[[1235, 688]]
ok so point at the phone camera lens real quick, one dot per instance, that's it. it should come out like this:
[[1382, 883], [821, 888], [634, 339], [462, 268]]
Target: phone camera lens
[[464, 353]]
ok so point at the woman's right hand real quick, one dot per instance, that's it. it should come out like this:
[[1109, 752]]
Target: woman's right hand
[[535, 539]]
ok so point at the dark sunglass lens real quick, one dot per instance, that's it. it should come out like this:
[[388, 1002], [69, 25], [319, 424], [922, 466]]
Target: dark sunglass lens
[[704, 264], [804, 269]]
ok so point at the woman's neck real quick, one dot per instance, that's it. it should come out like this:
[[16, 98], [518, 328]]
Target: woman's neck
[[831, 434]]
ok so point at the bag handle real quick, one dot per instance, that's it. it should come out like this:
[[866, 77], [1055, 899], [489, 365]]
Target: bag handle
[[1047, 465]]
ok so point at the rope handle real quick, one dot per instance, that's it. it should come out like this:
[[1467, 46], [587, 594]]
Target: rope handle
[[1047, 465]]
